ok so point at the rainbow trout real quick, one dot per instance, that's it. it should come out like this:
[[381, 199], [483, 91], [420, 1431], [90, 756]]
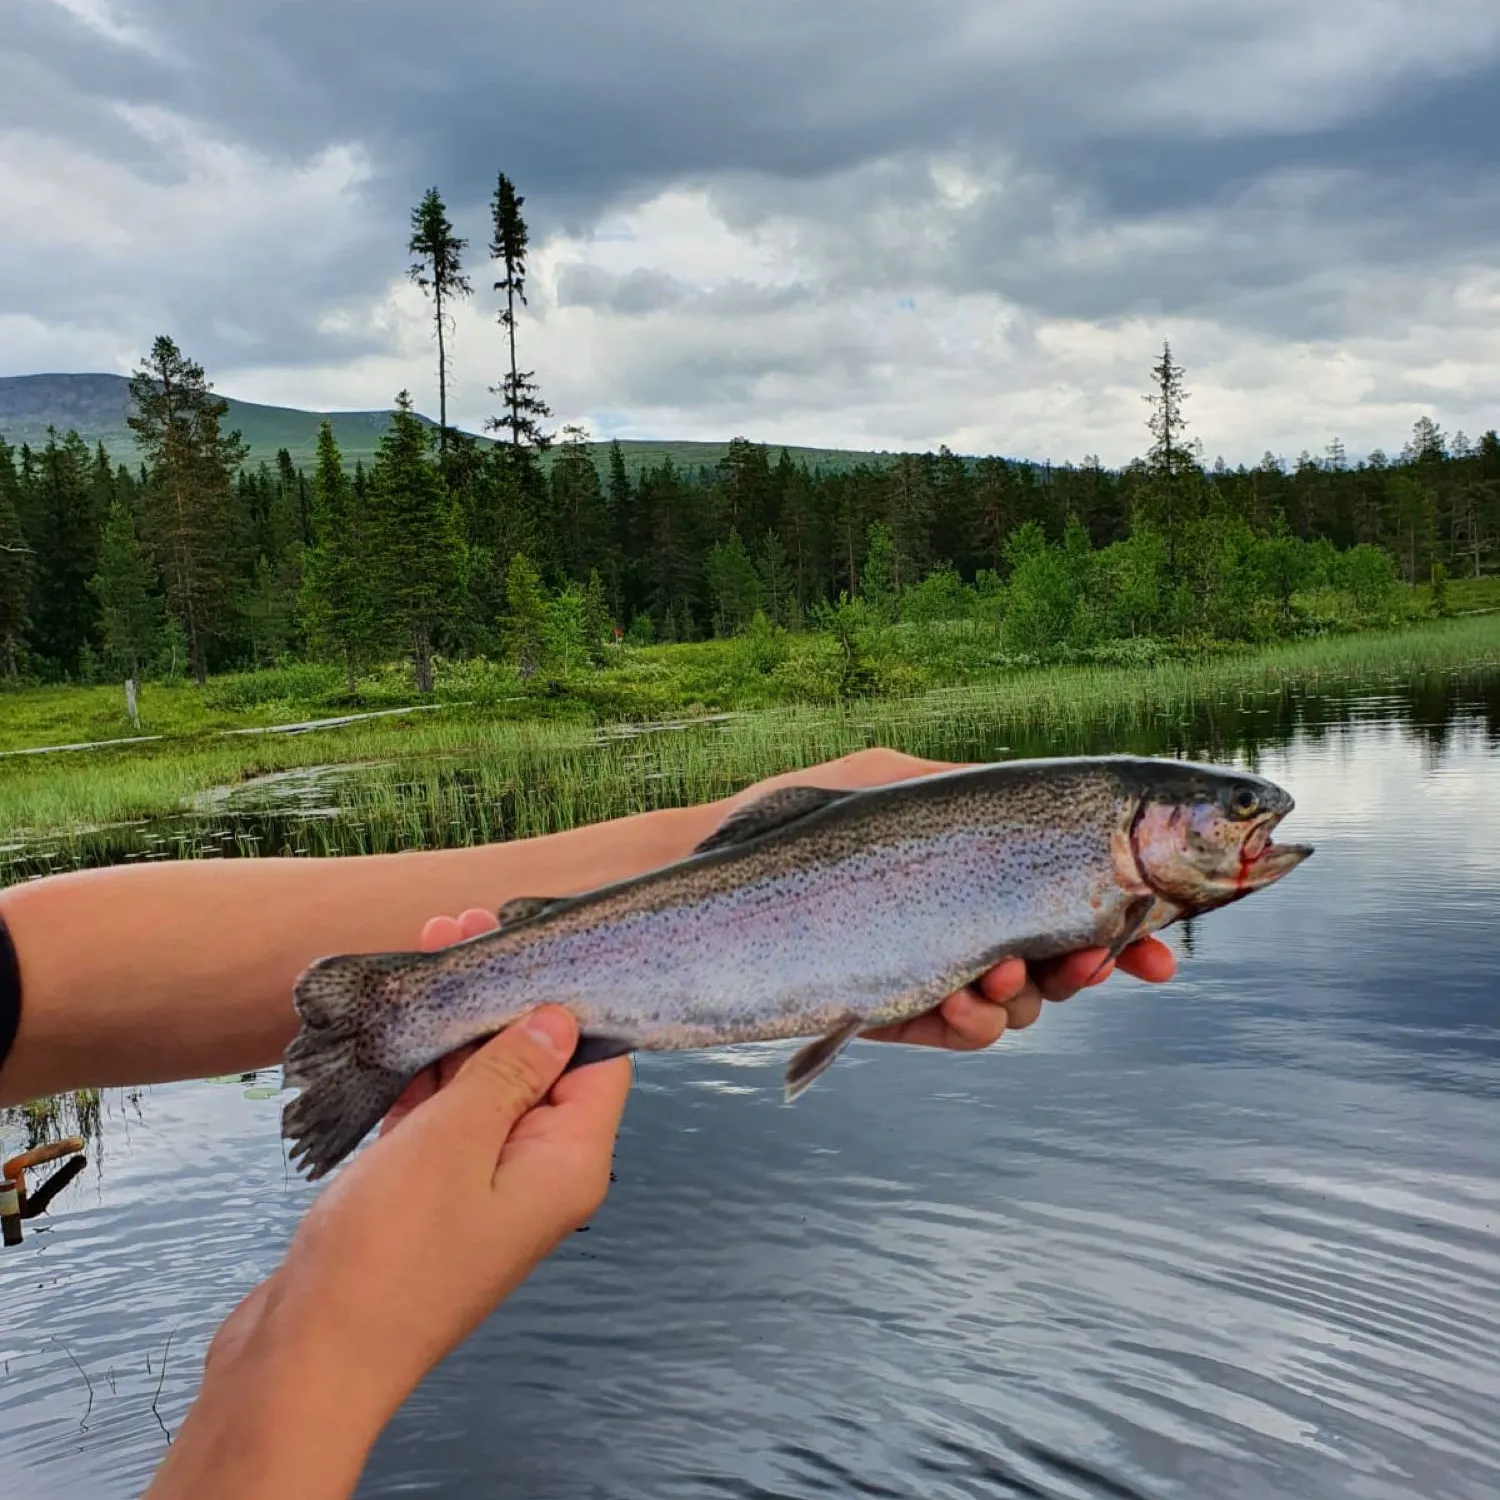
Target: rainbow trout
[[808, 913]]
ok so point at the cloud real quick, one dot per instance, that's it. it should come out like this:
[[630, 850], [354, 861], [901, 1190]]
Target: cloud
[[857, 222]]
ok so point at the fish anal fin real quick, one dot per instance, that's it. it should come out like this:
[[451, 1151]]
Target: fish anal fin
[[775, 810], [593, 1047], [819, 1054], [523, 908]]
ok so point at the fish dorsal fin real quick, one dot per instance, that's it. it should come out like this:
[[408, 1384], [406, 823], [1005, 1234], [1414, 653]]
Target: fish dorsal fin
[[523, 908], [774, 810]]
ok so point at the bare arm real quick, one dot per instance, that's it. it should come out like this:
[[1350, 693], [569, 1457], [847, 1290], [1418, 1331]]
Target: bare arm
[[148, 973]]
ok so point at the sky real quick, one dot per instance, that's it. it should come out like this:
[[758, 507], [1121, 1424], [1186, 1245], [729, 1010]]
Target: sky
[[847, 223]]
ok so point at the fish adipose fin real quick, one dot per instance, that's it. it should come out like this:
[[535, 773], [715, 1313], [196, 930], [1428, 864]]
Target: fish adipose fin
[[524, 908], [774, 810], [1135, 918], [818, 1055], [342, 1096]]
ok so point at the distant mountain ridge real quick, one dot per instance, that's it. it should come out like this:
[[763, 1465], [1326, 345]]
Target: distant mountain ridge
[[96, 405]]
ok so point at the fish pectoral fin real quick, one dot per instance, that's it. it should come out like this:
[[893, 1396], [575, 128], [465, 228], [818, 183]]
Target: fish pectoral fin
[[818, 1055], [775, 810], [523, 908], [1136, 915]]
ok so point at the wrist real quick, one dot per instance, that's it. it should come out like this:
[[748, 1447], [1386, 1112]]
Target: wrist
[[282, 1410]]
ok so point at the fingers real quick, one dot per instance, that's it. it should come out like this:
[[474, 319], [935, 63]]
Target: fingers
[[874, 767], [440, 932], [1150, 959], [418, 1091], [1004, 982], [509, 1075], [443, 932], [972, 1021], [476, 921]]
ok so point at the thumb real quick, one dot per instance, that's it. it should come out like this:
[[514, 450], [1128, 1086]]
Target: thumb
[[511, 1074]]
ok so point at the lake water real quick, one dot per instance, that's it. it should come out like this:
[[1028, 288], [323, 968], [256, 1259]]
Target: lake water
[[1236, 1236]]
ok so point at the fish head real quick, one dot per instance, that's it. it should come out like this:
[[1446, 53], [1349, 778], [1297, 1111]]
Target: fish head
[[1202, 836]]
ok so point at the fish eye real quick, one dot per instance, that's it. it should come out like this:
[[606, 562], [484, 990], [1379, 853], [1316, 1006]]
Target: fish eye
[[1245, 802]]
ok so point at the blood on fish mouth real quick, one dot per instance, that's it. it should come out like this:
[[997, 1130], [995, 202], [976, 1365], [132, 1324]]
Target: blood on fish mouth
[[1257, 844]]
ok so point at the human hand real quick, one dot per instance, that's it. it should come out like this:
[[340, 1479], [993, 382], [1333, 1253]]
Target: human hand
[[479, 1172], [1008, 997], [484, 1165]]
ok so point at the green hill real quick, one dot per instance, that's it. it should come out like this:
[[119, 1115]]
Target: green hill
[[95, 406]]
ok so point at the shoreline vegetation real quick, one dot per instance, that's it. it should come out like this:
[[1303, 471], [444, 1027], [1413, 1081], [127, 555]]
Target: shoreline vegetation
[[526, 633], [497, 764]]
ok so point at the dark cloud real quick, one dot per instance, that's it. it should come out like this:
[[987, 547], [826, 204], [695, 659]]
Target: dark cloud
[[1248, 164], [588, 100]]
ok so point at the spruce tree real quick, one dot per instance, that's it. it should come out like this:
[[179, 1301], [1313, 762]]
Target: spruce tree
[[880, 579], [190, 463], [518, 391], [578, 505], [418, 546], [337, 606], [268, 610], [598, 626], [625, 532], [1171, 497], [746, 488], [566, 629], [909, 505], [733, 584], [130, 610], [15, 567], [525, 615], [778, 588], [65, 536], [438, 269]]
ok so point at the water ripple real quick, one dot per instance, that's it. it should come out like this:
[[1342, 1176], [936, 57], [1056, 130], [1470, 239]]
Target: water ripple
[[1239, 1237]]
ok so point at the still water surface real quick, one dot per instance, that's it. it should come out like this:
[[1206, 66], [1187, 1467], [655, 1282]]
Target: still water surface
[[1236, 1236]]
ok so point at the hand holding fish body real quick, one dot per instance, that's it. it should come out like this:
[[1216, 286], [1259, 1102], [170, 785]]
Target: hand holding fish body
[[809, 913]]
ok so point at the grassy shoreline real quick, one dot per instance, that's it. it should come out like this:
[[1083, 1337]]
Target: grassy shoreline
[[475, 772], [632, 683]]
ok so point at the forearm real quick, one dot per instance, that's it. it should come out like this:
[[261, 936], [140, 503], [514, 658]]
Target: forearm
[[275, 1420], [148, 973]]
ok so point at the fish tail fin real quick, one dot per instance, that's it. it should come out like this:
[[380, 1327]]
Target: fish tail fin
[[343, 1093]]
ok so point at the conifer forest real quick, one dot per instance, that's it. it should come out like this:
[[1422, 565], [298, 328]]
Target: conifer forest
[[524, 547]]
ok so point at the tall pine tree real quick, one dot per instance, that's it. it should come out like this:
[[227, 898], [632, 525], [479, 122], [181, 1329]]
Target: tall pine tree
[[524, 407], [438, 270], [1171, 497], [190, 462]]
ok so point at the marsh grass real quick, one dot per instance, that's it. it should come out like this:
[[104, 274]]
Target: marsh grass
[[41, 1121], [471, 774]]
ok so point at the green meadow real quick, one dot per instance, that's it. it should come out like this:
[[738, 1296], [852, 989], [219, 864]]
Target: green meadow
[[495, 757]]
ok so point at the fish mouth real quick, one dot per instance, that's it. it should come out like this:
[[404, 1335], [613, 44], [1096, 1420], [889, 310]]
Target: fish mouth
[[1263, 861], [1278, 860]]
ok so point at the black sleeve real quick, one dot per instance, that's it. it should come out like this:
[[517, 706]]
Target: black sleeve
[[10, 993]]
